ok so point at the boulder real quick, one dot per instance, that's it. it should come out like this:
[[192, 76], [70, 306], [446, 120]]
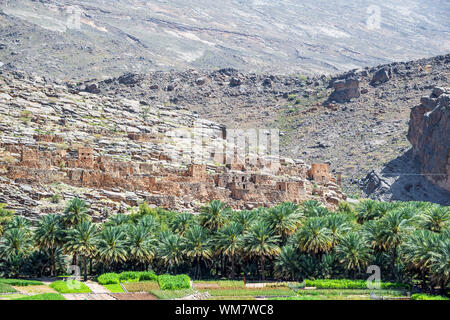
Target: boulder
[[381, 76], [234, 82], [345, 90], [200, 81], [92, 88]]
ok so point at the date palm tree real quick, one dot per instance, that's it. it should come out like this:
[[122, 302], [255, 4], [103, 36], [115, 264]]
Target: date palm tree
[[170, 250], [197, 246], [369, 210], [417, 252], [15, 246], [140, 244], [214, 215], [373, 233], [353, 252], [112, 245], [436, 218], [117, 220], [182, 222], [286, 264], [149, 223], [19, 223], [228, 242], [283, 219], [338, 225], [394, 226], [49, 235], [82, 239], [245, 218], [260, 242], [313, 208], [75, 213], [314, 237], [440, 262]]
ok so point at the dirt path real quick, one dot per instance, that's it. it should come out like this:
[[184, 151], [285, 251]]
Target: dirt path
[[134, 296], [96, 288], [88, 296], [30, 290]]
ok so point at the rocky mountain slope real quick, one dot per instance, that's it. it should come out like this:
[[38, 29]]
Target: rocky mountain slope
[[83, 39], [364, 131], [57, 143], [422, 173]]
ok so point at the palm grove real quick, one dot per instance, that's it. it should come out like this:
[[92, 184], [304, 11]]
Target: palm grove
[[409, 241]]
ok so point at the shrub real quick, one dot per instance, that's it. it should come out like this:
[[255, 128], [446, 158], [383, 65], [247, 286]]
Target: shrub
[[56, 198], [168, 282], [20, 282], [148, 276], [129, 276], [108, 278], [44, 296], [421, 296], [70, 287]]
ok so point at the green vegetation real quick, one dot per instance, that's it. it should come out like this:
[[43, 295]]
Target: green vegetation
[[168, 282], [108, 278], [20, 282], [171, 294], [127, 276], [256, 292], [6, 288], [5, 216], [44, 296], [350, 284], [114, 288], [409, 241], [427, 297], [71, 286]]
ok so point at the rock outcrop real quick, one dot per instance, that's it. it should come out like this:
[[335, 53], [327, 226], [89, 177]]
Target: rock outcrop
[[345, 90], [429, 135], [381, 76]]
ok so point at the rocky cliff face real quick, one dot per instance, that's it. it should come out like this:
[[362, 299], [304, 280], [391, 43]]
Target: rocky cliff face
[[421, 173], [429, 134]]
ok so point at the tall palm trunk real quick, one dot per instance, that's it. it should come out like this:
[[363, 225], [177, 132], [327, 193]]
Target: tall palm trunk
[[232, 267], [198, 267], [262, 268], [52, 257], [85, 267], [394, 257], [74, 259]]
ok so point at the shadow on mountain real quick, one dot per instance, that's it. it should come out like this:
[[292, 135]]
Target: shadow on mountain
[[401, 180]]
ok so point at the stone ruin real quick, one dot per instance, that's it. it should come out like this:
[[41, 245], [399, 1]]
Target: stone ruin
[[240, 185]]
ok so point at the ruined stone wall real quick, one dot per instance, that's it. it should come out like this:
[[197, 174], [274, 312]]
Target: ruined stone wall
[[319, 172], [239, 188]]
